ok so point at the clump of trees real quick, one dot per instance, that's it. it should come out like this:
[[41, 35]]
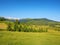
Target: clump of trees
[[22, 27], [2, 19], [25, 28]]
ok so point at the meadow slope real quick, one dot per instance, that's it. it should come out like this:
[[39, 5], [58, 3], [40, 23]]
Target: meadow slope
[[29, 38]]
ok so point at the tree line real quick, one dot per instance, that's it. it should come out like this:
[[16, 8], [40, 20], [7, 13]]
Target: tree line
[[17, 26]]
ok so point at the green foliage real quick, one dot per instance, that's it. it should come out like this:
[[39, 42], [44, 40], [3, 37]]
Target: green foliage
[[9, 28], [16, 26], [2, 19]]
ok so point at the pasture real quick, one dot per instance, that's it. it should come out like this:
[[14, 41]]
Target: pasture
[[29, 38]]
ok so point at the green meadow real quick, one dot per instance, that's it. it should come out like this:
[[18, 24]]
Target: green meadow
[[29, 38]]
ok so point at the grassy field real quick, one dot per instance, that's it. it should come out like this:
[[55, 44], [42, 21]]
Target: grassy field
[[3, 26], [29, 38]]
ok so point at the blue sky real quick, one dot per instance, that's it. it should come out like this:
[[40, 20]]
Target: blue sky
[[30, 9]]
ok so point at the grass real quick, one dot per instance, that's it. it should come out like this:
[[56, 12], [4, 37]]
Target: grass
[[29, 38], [3, 26]]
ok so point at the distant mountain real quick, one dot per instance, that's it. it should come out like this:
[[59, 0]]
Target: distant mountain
[[41, 21]]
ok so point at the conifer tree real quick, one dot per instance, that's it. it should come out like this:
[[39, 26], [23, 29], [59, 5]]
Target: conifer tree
[[16, 28], [9, 27]]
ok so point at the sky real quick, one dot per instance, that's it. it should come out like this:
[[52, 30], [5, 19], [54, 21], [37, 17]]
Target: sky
[[30, 9]]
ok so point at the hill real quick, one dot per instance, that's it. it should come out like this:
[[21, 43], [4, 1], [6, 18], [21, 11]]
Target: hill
[[41, 21], [34, 24]]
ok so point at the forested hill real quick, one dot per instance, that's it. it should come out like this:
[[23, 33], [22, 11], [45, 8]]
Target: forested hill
[[41, 21]]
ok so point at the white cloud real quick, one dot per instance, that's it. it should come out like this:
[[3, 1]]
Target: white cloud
[[12, 18]]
